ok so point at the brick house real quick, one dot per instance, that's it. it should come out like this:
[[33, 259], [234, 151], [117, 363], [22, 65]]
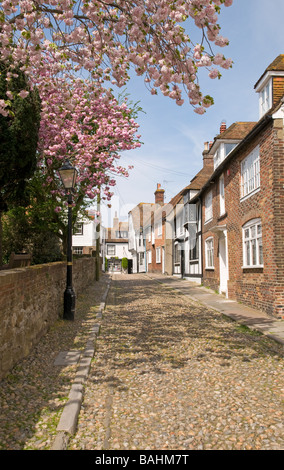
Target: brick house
[[137, 219], [243, 201], [192, 221], [155, 235]]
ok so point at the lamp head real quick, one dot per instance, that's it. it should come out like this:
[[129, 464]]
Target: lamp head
[[68, 175]]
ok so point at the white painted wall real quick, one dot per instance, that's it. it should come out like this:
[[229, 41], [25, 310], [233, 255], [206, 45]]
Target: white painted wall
[[89, 235], [121, 250]]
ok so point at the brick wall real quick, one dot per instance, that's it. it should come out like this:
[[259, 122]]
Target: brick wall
[[155, 266], [278, 88], [31, 300], [261, 288]]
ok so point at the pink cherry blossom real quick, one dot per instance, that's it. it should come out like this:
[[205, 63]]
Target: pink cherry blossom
[[101, 40], [70, 50]]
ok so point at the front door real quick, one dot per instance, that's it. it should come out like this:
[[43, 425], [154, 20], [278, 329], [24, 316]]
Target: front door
[[223, 264], [182, 261]]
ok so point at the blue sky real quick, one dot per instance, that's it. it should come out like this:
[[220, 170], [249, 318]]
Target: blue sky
[[174, 136]]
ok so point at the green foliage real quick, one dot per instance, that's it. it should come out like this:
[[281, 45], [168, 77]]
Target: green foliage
[[20, 235], [18, 138], [124, 263]]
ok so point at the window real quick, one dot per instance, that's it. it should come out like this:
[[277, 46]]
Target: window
[[265, 100], [177, 256], [159, 229], [250, 173], [149, 256], [194, 247], [111, 250], [209, 253], [222, 194], [252, 244], [78, 229], [141, 258], [121, 234], [158, 255], [221, 153], [77, 250], [208, 207]]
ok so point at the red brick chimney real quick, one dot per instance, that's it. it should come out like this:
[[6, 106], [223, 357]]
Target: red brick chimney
[[223, 127], [207, 158], [159, 195]]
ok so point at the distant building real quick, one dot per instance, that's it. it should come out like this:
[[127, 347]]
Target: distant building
[[137, 219], [85, 236], [116, 245]]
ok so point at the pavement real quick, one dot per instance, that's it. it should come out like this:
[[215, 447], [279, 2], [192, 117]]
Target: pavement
[[252, 318]]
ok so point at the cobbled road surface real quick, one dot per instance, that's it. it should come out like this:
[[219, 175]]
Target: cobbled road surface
[[170, 374]]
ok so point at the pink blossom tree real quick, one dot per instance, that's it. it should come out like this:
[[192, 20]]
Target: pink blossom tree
[[70, 50], [85, 124], [102, 38]]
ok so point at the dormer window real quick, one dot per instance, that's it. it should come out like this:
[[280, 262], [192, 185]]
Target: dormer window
[[223, 150], [265, 98]]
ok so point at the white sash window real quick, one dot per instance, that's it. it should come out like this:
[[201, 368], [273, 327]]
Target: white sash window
[[252, 244], [250, 173]]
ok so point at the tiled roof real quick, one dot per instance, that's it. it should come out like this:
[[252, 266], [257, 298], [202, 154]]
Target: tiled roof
[[111, 233], [276, 66], [200, 179], [237, 131]]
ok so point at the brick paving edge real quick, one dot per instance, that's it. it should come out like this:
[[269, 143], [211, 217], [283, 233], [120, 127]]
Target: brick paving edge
[[69, 418]]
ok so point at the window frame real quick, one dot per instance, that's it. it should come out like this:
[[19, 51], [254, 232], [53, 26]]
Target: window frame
[[222, 194], [250, 173], [223, 151], [251, 242], [79, 229], [208, 212], [207, 265], [77, 250], [111, 246], [177, 254], [265, 98], [158, 255]]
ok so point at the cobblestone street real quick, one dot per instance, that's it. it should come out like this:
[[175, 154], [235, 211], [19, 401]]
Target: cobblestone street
[[170, 374], [167, 374]]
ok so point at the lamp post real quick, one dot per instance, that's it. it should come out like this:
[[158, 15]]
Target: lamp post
[[68, 176]]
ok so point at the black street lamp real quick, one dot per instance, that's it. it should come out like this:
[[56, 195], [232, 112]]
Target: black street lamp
[[68, 176]]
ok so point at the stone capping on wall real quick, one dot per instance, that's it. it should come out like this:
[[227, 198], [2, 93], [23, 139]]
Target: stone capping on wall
[[31, 300]]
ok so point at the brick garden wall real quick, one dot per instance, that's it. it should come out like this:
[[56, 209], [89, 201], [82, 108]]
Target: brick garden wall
[[31, 300]]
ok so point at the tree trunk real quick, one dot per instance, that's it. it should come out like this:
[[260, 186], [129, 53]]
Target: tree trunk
[[98, 241], [1, 240]]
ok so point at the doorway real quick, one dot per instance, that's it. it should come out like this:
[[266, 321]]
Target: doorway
[[223, 263]]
